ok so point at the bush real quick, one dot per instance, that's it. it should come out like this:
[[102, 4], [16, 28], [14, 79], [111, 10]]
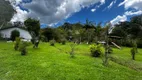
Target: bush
[[52, 42], [23, 47], [134, 50], [16, 45], [63, 41], [72, 46], [96, 50], [14, 34]]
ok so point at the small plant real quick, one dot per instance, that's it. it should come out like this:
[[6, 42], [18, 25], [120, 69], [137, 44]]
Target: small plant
[[72, 50], [16, 45], [23, 47], [52, 42], [134, 50], [96, 50]]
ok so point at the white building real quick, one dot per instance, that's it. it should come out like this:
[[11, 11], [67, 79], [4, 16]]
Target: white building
[[6, 32]]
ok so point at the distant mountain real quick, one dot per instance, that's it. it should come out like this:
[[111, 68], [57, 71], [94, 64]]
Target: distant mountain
[[6, 12]]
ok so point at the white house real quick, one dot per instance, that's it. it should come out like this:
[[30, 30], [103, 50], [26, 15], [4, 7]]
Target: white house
[[6, 32]]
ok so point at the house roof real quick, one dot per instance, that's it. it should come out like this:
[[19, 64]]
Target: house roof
[[12, 27]]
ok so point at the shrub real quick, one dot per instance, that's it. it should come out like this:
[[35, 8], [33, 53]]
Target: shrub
[[14, 34], [96, 50], [16, 45], [72, 46], [134, 50], [63, 41], [52, 42], [23, 47]]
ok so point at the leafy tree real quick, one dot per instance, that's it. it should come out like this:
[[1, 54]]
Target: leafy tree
[[14, 34], [6, 12], [98, 31], [33, 26], [89, 30], [49, 33]]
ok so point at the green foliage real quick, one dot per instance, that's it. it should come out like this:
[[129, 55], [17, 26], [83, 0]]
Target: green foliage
[[6, 12], [43, 39], [96, 50], [23, 47], [72, 52], [52, 42], [14, 34], [129, 30], [134, 50], [33, 26], [63, 41], [17, 43]]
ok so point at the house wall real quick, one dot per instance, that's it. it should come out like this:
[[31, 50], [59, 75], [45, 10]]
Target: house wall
[[6, 33]]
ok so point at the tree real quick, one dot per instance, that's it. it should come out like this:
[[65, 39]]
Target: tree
[[49, 33], [98, 30], [33, 26], [89, 29], [14, 34], [6, 12]]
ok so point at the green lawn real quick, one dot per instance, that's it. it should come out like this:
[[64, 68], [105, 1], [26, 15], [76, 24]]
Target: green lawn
[[54, 63]]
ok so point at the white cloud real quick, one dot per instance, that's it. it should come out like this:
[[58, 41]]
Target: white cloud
[[110, 5], [133, 4], [102, 2], [136, 4], [93, 10], [98, 6], [130, 13], [50, 11], [118, 19], [124, 17]]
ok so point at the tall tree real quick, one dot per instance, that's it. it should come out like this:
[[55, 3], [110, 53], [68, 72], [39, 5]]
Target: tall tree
[[33, 26], [6, 12]]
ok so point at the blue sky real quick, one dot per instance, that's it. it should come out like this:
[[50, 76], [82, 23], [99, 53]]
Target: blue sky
[[100, 15], [56, 12]]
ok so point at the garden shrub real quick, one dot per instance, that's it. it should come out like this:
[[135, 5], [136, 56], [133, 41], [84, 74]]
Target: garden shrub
[[17, 42], [52, 42], [63, 41], [23, 47], [14, 34], [96, 50], [134, 50], [72, 46]]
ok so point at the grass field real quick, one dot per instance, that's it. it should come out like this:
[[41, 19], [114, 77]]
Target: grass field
[[54, 63]]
